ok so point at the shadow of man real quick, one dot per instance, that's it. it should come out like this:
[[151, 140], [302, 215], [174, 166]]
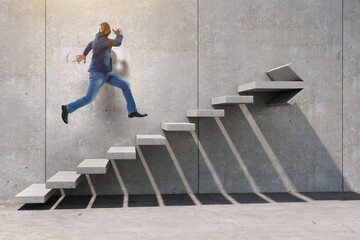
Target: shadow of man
[[119, 67]]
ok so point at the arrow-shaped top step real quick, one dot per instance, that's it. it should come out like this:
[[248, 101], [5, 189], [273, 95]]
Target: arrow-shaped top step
[[283, 73]]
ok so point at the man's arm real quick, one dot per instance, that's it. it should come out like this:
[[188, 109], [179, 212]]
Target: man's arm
[[115, 42], [118, 40], [88, 48]]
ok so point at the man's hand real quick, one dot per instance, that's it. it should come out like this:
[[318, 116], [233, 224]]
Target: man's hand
[[81, 57], [118, 31]]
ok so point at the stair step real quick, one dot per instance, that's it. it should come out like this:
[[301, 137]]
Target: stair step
[[118, 153], [231, 100], [35, 193], [150, 139], [206, 113], [286, 91], [93, 166], [270, 86], [283, 73], [64, 179], [178, 126]]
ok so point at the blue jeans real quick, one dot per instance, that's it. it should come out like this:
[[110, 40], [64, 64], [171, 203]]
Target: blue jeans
[[98, 79]]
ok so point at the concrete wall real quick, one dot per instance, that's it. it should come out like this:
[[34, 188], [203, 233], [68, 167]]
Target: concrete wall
[[177, 55], [351, 96], [22, 94]]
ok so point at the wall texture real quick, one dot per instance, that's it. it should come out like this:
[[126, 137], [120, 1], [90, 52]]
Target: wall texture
[[22, 94], [351, 96], [177, 55]]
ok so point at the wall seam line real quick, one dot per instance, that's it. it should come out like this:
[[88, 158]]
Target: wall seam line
[[342, 96], [45, 90], [198, 79]]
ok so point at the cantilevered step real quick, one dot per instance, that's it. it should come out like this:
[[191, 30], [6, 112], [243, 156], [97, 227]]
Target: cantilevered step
[[286, 91], [283, 73], [178, 126], [64, 179], [36, 193], [270, 86], [118, 153], [93, 166], [150, 139], [206, 113], [232, 100]]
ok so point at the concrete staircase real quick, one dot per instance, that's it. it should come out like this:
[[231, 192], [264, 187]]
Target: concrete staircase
[[284, 82]]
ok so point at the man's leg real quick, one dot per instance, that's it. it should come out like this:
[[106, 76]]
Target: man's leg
[[118, 81], [96, 81]]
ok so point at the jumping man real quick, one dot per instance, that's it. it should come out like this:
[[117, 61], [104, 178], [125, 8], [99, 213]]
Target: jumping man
[[100, 72]]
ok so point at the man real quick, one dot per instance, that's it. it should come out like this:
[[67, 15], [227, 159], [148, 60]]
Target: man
[[100, 72]]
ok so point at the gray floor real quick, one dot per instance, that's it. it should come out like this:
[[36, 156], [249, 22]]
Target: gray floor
[[234, 216]]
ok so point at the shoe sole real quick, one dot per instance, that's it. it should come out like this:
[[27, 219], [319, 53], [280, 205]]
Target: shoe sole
[[135, 116]]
